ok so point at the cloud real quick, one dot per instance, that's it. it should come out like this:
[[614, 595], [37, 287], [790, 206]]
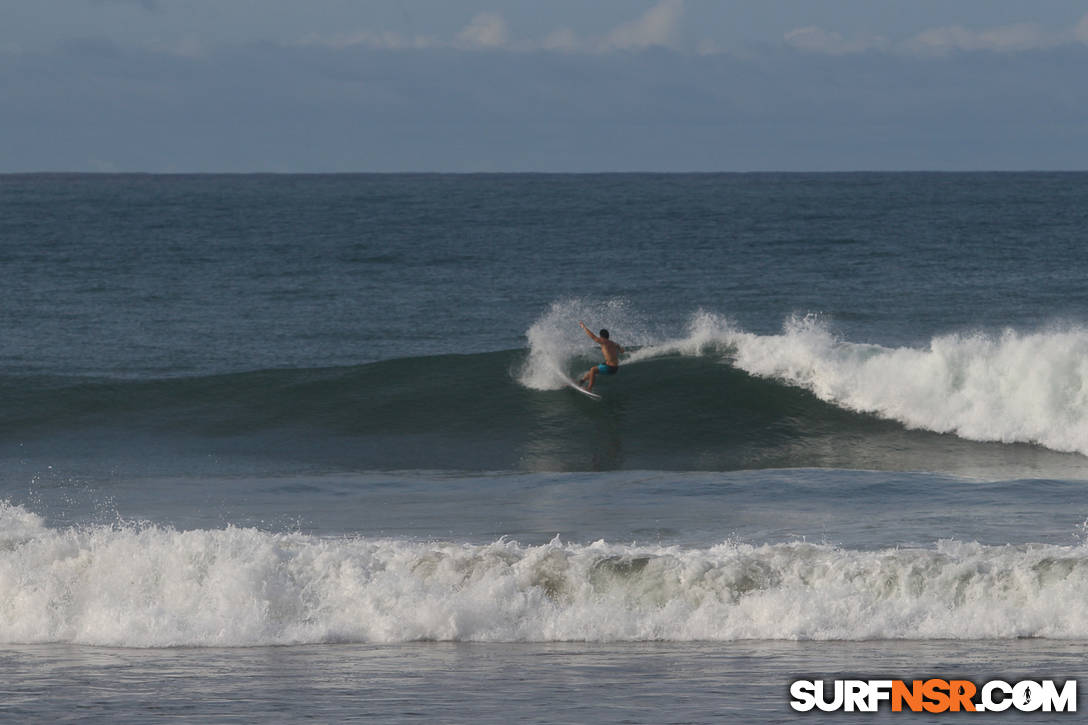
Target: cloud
[[657, 26], [487, 30], [562, 39], [377, 41], [1004, 39], [817, 40], [941, 41]]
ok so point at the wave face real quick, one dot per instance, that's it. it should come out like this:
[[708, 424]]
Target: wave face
[[709, 396], [150, 586]]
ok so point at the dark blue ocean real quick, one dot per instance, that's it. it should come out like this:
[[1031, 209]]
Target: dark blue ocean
[[286, 447]]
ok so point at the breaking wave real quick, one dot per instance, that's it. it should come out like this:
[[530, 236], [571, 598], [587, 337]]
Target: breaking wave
[[710, 396], [153, 586], [1008, 387]]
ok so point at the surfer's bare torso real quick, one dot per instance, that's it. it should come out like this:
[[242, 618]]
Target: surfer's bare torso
[[611, 352]]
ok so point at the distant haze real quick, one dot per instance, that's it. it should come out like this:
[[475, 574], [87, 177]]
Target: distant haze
[[338, 86]]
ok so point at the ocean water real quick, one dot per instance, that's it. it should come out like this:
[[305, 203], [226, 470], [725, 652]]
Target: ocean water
[[287, 447]]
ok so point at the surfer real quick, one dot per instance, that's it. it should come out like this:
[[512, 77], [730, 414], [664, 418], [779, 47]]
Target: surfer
[[611, 363]]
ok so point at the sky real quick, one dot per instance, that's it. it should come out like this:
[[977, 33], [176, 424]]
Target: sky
[[563, 86]]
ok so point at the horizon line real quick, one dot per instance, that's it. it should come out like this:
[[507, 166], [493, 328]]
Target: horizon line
[[752, 172]]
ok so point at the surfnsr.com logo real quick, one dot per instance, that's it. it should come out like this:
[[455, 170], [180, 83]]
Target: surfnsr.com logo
[[933, 695]]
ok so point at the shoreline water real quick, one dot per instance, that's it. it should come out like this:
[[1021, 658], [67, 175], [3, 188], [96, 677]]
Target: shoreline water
[[494, 683]]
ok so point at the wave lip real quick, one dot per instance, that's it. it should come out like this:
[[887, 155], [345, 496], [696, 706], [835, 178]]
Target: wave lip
[[150, 586]]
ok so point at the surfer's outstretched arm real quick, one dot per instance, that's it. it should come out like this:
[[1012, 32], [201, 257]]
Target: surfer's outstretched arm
[[591, 335]]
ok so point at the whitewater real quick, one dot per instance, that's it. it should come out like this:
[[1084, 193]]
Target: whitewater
[[1010, 386], [154, 586]]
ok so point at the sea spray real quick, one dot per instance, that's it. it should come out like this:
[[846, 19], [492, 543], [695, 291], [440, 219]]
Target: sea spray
[[154, 586], [556, 340], [705, 334], [18, 525]]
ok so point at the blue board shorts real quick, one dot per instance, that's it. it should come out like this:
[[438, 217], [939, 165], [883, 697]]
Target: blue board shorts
[[603, 369]]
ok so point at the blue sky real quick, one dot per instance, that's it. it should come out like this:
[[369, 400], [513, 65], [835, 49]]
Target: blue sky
[[667, 85]]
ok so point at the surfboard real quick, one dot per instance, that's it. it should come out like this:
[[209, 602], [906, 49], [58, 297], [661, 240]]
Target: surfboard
[[582, 390]]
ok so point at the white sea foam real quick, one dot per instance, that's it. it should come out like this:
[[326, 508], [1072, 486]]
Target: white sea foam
[[1012, 386], [17, 525], [151, 586], [556, 341]]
